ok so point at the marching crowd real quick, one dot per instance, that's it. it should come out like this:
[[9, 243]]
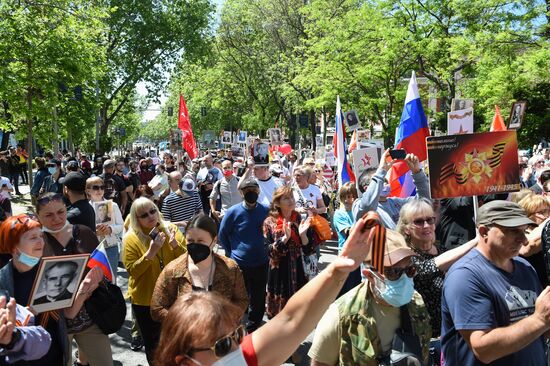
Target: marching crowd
[[214, 245]]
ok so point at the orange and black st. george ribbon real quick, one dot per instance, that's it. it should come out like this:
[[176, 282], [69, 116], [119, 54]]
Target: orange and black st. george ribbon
[[374, 222]]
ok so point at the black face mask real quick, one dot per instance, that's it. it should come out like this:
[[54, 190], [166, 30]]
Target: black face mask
[[198, 252], [251, 197]]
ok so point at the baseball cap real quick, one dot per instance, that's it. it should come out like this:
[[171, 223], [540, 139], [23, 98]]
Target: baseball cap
[[396, 249], [188, 185], [74, 181], [249, 182], [503, 213]]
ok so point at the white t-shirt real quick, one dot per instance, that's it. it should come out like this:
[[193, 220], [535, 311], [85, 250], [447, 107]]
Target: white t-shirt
[[303, 197], [267, 187]]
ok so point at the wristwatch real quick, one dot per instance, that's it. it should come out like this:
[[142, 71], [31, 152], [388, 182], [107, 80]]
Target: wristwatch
[[14, 338]]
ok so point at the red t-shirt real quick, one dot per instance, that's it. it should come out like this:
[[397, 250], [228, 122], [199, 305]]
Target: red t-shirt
[[248, 351]]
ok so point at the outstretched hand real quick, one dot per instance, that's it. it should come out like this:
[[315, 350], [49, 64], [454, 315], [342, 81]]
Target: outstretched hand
[[356, 248], [413, 163], [387, 161]]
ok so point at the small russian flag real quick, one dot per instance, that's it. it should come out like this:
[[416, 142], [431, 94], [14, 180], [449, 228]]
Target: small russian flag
[[99, 258]]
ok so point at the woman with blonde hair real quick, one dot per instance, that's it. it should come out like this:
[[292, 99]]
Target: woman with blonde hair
[[109, 233], [417, 224], [537, 208], [149, 245]]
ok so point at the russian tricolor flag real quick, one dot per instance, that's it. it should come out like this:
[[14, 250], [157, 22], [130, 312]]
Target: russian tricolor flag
[[411, 136], [99, 259], [345, 173]]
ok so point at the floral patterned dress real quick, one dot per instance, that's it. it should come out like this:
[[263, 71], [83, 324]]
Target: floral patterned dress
[[286, 270]]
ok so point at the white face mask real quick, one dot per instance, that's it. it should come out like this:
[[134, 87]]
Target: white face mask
[[46, 230], [235, 358]]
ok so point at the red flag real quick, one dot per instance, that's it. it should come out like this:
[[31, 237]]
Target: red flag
[[498, 122], [184, 124]]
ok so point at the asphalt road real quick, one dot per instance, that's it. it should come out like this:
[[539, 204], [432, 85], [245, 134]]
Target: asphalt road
[[120, 341]]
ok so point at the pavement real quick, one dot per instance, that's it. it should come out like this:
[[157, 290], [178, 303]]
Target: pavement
[[120, 341]]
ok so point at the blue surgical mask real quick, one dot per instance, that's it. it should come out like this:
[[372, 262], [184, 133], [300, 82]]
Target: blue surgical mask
[[398, 292], [52, 170], [28, 260]]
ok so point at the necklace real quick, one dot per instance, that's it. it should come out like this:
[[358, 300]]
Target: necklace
[[207, 284]]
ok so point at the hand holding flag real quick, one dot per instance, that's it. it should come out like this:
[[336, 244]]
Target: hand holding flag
[[99, 259]]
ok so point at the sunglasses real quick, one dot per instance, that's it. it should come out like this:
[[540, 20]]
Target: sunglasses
[[420, 222], [222, 347], [151, 212], [21, 220], [45, 200], [393, 274], [98, 188]]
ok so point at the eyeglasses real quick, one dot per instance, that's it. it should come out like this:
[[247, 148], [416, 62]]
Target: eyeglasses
[[393, 274], [151, 212], [222, 347], [420, 222], [98, 188], [45, 200]]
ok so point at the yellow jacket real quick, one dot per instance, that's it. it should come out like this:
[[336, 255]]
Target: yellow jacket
[[143, 273]]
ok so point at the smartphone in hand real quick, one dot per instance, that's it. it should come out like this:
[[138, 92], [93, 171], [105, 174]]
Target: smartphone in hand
[[153, 233], [398, 154]]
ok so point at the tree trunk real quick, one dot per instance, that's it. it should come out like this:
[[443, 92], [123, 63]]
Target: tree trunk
[[312, 124]]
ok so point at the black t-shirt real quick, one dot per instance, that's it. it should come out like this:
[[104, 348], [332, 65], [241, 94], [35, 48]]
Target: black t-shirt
[[456, 225], [81, 212]]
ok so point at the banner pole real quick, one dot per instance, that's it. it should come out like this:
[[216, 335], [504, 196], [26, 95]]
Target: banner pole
[[476, 208]]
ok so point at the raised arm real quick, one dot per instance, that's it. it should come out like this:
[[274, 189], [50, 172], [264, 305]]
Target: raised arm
[[304, 310], [445, 260]]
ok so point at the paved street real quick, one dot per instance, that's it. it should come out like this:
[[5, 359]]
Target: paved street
[[120, 342]]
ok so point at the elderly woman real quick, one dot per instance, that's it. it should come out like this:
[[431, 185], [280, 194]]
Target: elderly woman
[[110, 233], [202, 328], [537, 208], [287, 238], [417, 224], [308, 196], [200, 269], [149, 245], [64, 238], [22, 237]]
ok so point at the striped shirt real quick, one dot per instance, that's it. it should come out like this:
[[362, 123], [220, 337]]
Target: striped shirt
[[177, 208]]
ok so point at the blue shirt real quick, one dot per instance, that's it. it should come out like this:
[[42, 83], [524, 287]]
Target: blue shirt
[[477, 295], [342, 220], [241, 235]]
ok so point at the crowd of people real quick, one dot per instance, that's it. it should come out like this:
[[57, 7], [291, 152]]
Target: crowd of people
[[222, 256]]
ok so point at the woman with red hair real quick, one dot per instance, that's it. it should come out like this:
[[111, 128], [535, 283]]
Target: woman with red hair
[[22, 237]]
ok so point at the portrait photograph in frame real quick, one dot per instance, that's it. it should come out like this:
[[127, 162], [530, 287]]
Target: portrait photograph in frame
[[57, 281], [104, 212], [516, 115]]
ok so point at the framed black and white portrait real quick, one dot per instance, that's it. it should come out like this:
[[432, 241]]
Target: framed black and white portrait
[[516, 115], [57, 281]]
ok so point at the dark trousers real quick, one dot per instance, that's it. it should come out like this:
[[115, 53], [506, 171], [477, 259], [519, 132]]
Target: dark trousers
[[14, 177], [150, 330], [255, 280], [24, 174]]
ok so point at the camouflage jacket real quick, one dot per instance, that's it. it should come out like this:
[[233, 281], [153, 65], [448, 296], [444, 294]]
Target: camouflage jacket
[[360, 343]]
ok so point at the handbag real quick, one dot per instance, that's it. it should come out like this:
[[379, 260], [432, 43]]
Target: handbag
[[321, 227], [405, 349], [107, 307]]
